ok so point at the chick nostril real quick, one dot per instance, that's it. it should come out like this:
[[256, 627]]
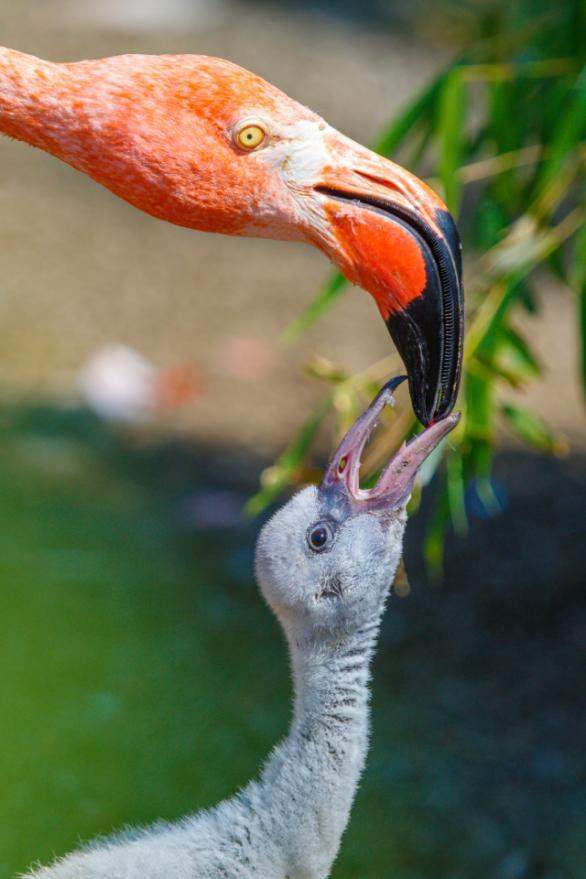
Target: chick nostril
[[342, 464], [332, 588]]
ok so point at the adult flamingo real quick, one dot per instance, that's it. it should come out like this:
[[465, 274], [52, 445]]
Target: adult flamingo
[[203, 143]]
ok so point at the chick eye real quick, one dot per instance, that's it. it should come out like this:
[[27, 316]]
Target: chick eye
[[250, 136], [320, 536]]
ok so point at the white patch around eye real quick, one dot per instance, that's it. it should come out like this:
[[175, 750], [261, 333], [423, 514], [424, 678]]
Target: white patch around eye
[[300, 151]]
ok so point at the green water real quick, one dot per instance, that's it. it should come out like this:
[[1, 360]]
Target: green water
[[143, 678]]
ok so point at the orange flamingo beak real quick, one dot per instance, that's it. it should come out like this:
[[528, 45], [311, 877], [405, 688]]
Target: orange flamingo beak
[[394, 237]]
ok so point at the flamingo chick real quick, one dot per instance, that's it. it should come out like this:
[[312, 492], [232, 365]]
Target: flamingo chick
[[203, 143], [325, 564]]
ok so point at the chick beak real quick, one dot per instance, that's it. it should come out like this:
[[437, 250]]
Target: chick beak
[[393, 236], [340, 494]]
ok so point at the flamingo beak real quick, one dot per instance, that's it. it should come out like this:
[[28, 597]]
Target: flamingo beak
[[340, 494], [395, 238]]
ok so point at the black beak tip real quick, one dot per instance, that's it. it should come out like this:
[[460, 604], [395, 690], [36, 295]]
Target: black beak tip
[[433, 383], [429, 331], [417, 339]]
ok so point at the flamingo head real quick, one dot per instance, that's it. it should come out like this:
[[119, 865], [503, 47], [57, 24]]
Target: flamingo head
[[203, 143]]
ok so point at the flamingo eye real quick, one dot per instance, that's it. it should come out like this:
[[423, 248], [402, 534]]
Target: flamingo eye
[[250, 136]]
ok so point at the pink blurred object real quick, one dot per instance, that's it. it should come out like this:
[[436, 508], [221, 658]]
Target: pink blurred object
[[120, 384], [247, 358]]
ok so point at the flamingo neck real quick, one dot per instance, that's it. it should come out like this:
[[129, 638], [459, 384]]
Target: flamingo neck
[[33, 99], [309, 782]]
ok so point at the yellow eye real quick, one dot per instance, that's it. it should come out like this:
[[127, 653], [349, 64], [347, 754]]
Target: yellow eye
[[250, 137]]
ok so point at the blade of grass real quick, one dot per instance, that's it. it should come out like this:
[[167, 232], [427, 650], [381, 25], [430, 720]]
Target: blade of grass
[[507, 264], [569, 130], [509, 356], [532, 430], [451, 136], [278, 477], [322, 303], [502, 72], [419, 108], [580, 286], [456, 492], [433, 544]]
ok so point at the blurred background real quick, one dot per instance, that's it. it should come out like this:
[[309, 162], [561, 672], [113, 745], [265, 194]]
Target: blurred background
[[145, 387]]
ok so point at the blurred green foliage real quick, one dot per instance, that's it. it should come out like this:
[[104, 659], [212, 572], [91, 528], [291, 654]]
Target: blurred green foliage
[[500, 133]]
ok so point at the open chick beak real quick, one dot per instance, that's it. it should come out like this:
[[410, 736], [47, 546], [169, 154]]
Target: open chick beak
[[340, 493], [395, 238]]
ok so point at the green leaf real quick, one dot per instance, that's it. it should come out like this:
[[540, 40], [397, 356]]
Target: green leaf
[[517, 355], [508, 355], [426, 134], [479, 407], [527, 297], [456, 492], [419, 109], [479, 458], [557, 266], [433, 544], [321, 367], [531, 429], [580, 285], [452, 135], [507, 264], [322, 302], [278, 477], [569, 130], [507, 132], [489, 223]]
